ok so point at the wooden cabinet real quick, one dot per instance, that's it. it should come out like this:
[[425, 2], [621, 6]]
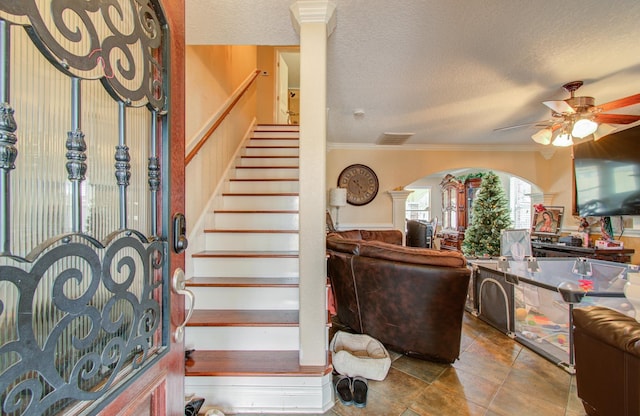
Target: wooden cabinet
[[457, 202]]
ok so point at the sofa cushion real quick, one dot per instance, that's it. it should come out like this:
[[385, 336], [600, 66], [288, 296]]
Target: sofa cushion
[[387, 236], [348, 234], [343, 245], [417, 255]]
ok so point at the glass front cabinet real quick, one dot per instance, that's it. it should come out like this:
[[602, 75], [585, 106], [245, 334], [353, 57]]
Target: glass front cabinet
[[457, 202]]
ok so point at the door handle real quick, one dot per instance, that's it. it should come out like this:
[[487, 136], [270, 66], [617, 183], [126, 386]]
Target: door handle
[[180, 241], [178, 284]]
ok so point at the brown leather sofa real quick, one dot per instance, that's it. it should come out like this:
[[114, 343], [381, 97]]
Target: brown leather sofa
[[410, 299], [607, 361]]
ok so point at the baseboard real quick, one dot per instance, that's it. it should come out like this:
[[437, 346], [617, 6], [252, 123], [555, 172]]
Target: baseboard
[[233, 395]]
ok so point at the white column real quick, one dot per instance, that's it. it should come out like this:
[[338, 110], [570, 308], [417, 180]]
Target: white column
[[399, 204], [314, 21]]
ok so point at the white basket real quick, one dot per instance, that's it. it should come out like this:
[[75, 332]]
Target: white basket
[[359, 355]]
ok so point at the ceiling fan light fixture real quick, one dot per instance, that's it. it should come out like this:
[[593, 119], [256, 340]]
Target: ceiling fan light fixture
[[543, 136], [584, 127], [563, 140]]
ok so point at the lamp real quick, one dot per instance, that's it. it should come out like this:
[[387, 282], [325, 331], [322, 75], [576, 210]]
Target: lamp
[[563, 140], [543, 136], [584, 127], [338, 198]]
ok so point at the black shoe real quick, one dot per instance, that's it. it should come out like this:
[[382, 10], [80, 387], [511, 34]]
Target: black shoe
[[360, 388], [343, 389]]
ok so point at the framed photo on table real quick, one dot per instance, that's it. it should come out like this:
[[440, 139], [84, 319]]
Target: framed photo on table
[[547, 221]]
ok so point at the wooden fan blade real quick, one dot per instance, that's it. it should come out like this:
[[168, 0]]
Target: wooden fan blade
[[622, 102], [616, 118], [559, 107]]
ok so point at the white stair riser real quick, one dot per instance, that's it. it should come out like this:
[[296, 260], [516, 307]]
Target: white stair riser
[[269, 161], [276, 134], [242, 338], [275, 151], [262, 203], [267, 173], [270, 187], [255, 221], [281, 147], [234, 395], [251, 241], [277, 128], [245, 267], [254, 298]]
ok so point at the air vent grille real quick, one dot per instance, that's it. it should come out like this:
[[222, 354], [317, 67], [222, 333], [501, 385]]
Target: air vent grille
[[394, 139]]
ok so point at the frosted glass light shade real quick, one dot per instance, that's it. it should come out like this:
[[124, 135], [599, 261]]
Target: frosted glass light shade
[[338, 197], [584, 127], [563, 140], [543, 136]]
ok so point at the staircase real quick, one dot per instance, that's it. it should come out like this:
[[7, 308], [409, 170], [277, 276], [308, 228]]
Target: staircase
[[244, 328]]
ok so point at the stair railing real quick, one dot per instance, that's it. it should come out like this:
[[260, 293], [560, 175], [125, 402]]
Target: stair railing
[[229, 105]]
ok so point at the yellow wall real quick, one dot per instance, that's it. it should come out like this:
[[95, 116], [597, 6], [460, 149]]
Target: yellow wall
[[212, 75], [398, 168]]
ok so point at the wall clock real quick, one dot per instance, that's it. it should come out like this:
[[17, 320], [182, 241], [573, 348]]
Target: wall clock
[[361, 183]]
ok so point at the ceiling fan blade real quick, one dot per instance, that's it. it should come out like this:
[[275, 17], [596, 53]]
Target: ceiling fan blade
[[559, 107], [603, 130], [622, 102], [543, 123], [616, 118]]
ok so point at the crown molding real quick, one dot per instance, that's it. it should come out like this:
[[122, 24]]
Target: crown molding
[[314, 11]]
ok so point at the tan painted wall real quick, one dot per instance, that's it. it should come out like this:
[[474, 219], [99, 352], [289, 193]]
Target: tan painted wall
[[212, 75], [398, 168]]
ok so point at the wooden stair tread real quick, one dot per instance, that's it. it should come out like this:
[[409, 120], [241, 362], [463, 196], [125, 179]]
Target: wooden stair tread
[[246, 254], [271, 147], [250, 364], [242, 282], [244, 318]]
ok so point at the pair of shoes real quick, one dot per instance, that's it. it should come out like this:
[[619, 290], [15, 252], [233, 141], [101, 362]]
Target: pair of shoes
[[360, 387], [344, 390]]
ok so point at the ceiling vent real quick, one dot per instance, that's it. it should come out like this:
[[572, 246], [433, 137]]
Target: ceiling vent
[[394, 139]]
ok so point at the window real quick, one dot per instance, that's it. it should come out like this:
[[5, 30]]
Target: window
[[418, 205], [520, 203]]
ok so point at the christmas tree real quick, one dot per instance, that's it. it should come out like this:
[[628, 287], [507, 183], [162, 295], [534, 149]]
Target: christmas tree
[[489, 216]]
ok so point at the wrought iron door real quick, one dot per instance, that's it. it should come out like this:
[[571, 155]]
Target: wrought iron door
[[83, 171]]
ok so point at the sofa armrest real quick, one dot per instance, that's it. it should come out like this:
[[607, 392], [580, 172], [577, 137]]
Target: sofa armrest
[[609, 326]]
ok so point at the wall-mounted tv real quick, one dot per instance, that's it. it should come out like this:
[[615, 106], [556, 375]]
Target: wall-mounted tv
[[607, 175]]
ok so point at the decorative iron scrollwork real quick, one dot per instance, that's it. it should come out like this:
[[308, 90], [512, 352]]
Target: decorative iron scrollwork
[[74, 40], [102, 322], [8, 139]]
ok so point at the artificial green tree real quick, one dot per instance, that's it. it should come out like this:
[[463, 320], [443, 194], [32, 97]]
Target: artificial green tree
[[489, 216]]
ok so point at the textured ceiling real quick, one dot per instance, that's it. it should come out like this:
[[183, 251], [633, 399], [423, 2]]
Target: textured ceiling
[[450, 71]]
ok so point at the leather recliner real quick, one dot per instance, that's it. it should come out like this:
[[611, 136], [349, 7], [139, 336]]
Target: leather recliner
[[410, 299], [607, 361]]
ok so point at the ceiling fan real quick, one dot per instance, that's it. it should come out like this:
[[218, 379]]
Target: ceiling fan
[[579, 117]]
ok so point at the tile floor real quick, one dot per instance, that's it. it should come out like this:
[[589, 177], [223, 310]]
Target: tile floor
[[494, 376]]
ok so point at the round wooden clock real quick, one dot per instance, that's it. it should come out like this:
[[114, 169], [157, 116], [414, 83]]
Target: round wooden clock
[[360, 182]]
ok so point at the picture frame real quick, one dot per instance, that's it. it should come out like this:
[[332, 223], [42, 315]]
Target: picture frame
[[547, 222]]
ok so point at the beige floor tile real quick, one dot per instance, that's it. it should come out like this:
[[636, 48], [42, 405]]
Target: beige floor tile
[[439, 401]]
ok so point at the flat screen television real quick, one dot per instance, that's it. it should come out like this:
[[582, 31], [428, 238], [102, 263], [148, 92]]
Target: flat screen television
[[607, 175]]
